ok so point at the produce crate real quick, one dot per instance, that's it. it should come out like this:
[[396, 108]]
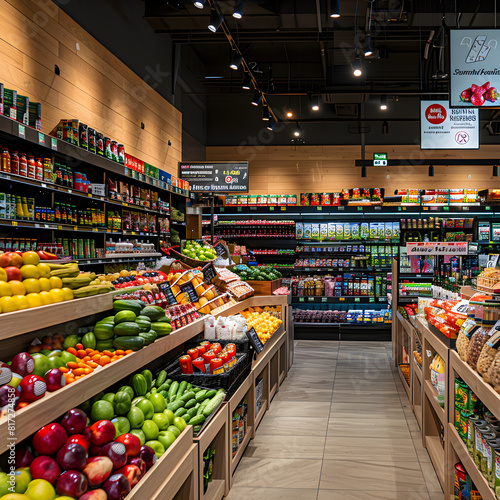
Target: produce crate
[[265, 287], [229, 380]]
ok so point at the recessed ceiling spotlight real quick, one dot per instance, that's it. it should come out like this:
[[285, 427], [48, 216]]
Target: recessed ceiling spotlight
[[335, 9], [247, 82], [215, 20], [239, 5], [236, 60], [289, 113], [199, 4], [383, 102], [357, 69], [298, 130], [265, 112], [315, 103], [272, 123], [256, 99]]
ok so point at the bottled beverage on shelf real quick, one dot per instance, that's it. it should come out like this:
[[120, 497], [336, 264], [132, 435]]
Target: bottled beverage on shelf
[[6, 166]]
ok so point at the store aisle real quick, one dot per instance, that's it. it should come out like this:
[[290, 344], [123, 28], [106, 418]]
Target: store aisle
[[340, 428]]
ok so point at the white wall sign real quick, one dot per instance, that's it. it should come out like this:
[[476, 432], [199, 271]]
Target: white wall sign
[[445, 128], [474, 67], [437, 248]]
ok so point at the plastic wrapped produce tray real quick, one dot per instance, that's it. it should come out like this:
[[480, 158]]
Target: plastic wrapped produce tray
[[229, 380], [242, 346]]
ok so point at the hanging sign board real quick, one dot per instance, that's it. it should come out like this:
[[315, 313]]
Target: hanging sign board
[[445, 128], [215, 177], [437, 248], [475, 68]]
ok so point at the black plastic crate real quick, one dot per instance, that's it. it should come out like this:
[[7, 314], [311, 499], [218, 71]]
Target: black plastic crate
[[229, 380], [242, 346]]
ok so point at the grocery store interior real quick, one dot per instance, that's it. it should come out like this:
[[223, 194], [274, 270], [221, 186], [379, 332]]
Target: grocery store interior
[[249, 248]]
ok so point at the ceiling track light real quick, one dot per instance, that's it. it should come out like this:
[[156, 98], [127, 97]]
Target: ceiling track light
[[495, 170], [289, 113], [265, 112], [239, 5], [363, 171], [247, 82], [315, 103], [256, 98], [357, 69], [272, 123], [298, 130], [199, 4], [383, 102], [431, 170], [367, 46], [215, 20], [236, 59], [335, 9], [385, 128]]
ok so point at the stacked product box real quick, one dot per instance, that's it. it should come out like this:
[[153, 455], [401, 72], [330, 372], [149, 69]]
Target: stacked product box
[[344, 231]]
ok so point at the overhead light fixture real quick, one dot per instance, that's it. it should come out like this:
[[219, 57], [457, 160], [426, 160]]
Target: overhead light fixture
[[215, 20], [265, 112], [298, 130], [363, 171], [315, 103], [431, 170], [247, 82], [383, 102], [335, 9], [239, 5], [236, 60], [385, 128], [289, 113], [357, 69], [272, 123], [367, 46], [199, 4], [495, 170], [256, 98]]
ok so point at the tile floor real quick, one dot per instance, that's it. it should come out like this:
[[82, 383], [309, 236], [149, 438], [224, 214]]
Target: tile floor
[[341, 427]]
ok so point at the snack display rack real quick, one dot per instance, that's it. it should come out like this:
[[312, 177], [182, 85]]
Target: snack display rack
[[179, 472]]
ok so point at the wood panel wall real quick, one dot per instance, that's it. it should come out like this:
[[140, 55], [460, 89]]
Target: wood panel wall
[[305, 169], [94, 86]]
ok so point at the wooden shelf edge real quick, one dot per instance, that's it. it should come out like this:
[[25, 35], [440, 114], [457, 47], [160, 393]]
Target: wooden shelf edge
[[417, 411], [235, 399], [430, 392], [435, 343], [215, 490], [437, 455], [212, 429], [54, 404], [148, 484], [28, 320], [463, 454], [273, 391], [484, 391], [405, 383], [417, 368], [261, 413], [241, 449], [270, 349]]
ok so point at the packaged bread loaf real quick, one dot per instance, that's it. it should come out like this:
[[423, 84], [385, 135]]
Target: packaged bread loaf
[[476, 344]]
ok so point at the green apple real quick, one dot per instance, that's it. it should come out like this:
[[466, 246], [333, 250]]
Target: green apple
[[158, 448], [16, 380], [158, 402], [136, 417], [146, 407], [174, 430], [42, 365], [170, 415], [4, 483], [122, 425], [150, 430], [161, 420], [67, 357], [109, 397], [180, 423], [166, 438], [55, 362], [140, 435], [102, 410], [40, 489], [136, 400], [22, 478]]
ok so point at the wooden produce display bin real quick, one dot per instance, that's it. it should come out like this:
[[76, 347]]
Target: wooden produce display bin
[[246, 390], [434, 417], [262, 374], [265, 287], [166, 470], [215, 435], [416, 379]]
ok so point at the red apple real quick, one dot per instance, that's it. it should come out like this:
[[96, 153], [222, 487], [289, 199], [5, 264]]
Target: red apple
[[71, 483], [13, 273], [24, 456], [32, 388], [94, 495], [8, 395], [44, 467], [148, 455], [140, 463], [117, 487], [132, 473], [54, 379], [49, 439], [87, 432], [102, 432], [81, 440], [4, 260], [16, 259], [131, 442], [98, 470], [5, 374], [95, 450], [74, 421], [23, 364], [72, 456], [117, 452]]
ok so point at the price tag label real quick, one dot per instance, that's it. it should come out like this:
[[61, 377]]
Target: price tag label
[[425, 208], [446, 209], [133, 233], [59, 228], [283, 209], [22, 131], [13, 114], [14, 222], [53, 143], [377, 208], [487, 207], [301, 299], [360, 209], [399, 209], [89, 195], [404, 208], [372, 299], [125, 204], [70, 191], [310, 299], [341, 208], [341, 299], [41, 138], [357, 299], [319, 209], [271, 209], [238, 209], [75, 228], [108, 230], [324, 299], [221, 209], [94, 229], [465, 209]]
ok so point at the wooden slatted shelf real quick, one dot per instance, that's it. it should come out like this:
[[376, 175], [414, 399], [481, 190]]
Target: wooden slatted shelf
[[431, 394]]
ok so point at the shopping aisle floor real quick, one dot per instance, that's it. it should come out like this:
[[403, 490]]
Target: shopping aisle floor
[[341, 427]]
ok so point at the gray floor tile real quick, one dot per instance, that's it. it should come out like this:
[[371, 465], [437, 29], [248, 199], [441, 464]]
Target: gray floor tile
[[372, 495], [263, 446], [292, 426], [248, 492], [293, 409]]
